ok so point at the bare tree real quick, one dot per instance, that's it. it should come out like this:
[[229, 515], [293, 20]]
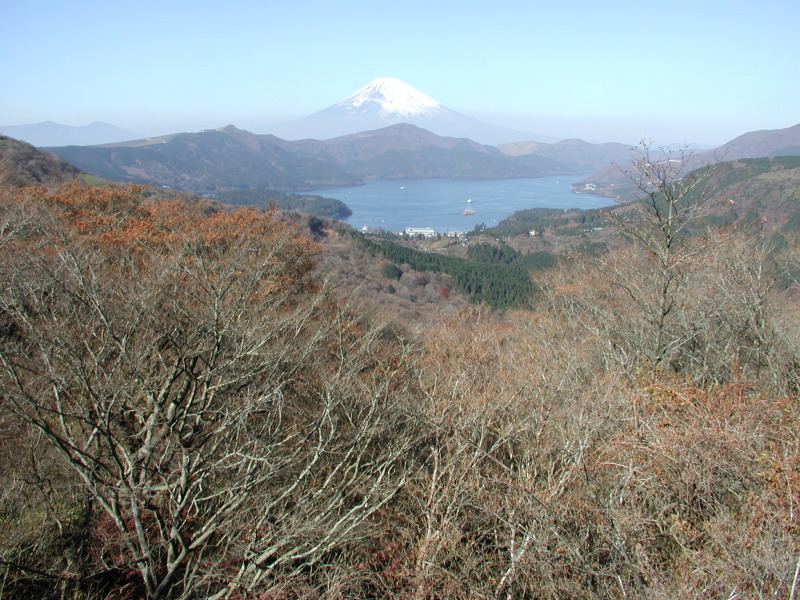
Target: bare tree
[[191, 388], [672, 199]]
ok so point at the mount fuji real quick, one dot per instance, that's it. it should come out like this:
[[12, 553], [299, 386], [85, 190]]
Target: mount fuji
[[389, 101]]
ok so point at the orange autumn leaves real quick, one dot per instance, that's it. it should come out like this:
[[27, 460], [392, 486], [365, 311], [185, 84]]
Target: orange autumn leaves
[[134, 215], [134, 223]]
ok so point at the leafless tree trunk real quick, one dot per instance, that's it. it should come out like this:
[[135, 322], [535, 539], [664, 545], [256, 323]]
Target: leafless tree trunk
[[671, 201], [188, 393]]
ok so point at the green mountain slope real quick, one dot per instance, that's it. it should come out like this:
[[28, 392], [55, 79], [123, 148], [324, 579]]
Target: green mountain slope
[[230, 158], [207, 161]]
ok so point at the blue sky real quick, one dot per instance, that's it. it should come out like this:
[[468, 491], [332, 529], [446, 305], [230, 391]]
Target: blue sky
[[703, 71]]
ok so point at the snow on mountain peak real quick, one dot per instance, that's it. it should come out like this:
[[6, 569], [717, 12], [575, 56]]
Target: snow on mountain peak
[[394, 97]]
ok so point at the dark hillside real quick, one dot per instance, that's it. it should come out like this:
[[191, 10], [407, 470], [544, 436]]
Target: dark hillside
[[402, 137], [763, 189], [23, 164], [611, 180], [407, 151], [207, 161], [304, 203], [756, 144], [230, 158], [761, 193]]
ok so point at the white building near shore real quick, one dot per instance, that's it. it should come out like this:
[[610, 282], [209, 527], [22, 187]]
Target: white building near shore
[[423, 231]]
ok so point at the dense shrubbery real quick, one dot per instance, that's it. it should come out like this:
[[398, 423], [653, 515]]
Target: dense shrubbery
[[391, 271], [188, 414], [191, 380]]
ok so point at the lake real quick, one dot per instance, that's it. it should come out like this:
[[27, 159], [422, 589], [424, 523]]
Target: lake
[[395, 204]]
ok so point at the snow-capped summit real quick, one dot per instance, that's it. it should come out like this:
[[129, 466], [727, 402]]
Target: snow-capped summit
[[394, 97], [388, 101]]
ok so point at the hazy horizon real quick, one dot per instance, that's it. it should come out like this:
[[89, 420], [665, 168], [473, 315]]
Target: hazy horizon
[[622, 71]]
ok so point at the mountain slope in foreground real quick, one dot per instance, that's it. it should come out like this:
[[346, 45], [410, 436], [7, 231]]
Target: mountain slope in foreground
[[23, 164]]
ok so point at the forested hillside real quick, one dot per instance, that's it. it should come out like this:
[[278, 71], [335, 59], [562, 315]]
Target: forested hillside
[[207, 161], [23, 164], [497, 284], [306, 203], [231, 158], [191, 410]]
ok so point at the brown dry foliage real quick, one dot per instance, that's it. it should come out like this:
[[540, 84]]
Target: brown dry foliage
[[533, 456]]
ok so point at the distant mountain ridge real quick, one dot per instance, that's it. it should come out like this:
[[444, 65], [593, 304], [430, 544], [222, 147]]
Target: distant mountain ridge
[[390, 101], [757, 144], [582, 156], [49, 133], [408, 151], [231, 158], [210, 160]]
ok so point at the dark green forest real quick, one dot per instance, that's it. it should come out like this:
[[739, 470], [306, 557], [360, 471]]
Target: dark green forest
[[306, 203], [499, 284], [558, 220]]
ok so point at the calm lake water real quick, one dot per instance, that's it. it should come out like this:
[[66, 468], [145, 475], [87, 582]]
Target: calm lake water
[[395, 204]]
